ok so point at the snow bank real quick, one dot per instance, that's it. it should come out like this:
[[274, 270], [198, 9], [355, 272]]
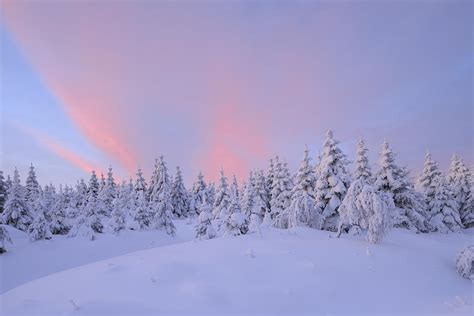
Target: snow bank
[[285, 272]]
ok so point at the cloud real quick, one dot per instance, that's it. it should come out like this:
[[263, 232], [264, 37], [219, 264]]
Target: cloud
[[57, 148]]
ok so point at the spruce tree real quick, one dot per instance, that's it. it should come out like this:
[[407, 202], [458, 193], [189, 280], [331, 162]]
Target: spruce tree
[[459, 180], [120, 208], [234, 188], [198, 196], [211, 193], [235, 222], [362, 170], [409, 205], [179, 196], [427, 181], [32, 188], [160, 199], [101, 182], [248, 195], [39, 228], [8, 183], [3, 192], [204, 228], [93, 187], [303, 210], [95, 220], [332, 182], [442, 209], [16, 212], [142, 214], [154, 179], [222, 200], [262, 194], [280, 195], [106, 195], [4, 237], [58, 223], [140, 184]]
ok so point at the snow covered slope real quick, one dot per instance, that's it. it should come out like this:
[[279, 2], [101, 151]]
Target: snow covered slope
[[26, 261], [302, 271]]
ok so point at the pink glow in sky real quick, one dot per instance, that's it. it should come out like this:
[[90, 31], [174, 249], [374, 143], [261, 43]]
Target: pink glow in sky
[[214, 84]]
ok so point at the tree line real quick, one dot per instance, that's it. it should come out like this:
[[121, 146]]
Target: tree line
[[325, 195]]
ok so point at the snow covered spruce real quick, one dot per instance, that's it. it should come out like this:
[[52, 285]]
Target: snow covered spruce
[[465, 263], [325, 195]]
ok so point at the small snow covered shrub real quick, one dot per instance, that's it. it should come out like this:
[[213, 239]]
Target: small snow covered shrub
[[465, 262], [39, 229], [4, 236], [236, 224], [365, 208], [204, 228]]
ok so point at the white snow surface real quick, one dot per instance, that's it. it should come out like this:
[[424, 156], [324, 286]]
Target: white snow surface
[[280, 272]]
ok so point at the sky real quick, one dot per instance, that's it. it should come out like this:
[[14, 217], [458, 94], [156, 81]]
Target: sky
[[211, 84]]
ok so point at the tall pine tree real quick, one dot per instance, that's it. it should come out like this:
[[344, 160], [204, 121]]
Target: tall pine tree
[[303, 210], [16, 212], [179, 196], [332, 182], [459, 180], [362, 170], [409, 205]]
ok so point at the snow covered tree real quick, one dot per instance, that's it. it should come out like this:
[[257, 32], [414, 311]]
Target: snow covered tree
[[8, 183], [262, 195], [4, 237], [140, 184], [91, 212], [154, 179], [160, 199], [362, 170], [16, 212], [302, 210], [280, 195], [234, 188], [442, 209], [271, 174], [48, 198], [142, 214], [71, 209], [332, 182], [365, 208], [3, 191], [32, 188], [235, 223], [106, 195], [179, 196], [58, 223], [204, 228], [211, 193], [93, 187], [81, 193], [465, 262], [409, 205], [248, 195], [120, 208], [222, 201], [101, 182], [459, 180], [39, 228], [429, 178], [198, 196]]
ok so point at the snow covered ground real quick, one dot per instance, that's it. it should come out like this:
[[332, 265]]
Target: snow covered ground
[[286, 272]]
